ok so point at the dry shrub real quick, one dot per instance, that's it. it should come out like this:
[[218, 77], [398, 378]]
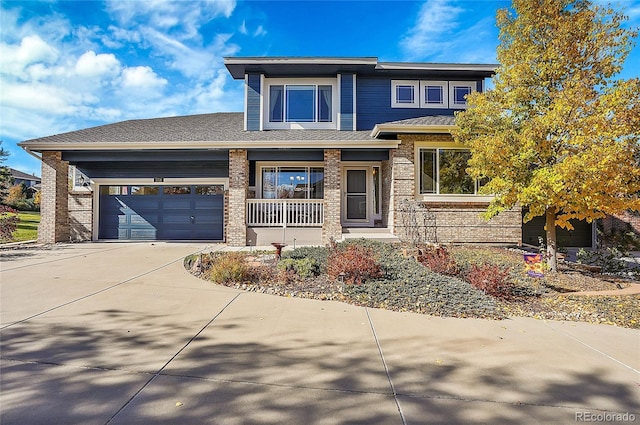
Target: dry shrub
[[229, 268], [439, 260], [357, 264], [491, 279]]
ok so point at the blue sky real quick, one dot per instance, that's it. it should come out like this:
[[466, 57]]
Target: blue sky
[[76, 64]]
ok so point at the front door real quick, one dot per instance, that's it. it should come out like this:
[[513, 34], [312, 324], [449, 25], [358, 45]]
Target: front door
[[356, 196]]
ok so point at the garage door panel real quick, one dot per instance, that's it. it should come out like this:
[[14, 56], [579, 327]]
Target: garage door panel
[[142, 234], [146, 219], [176, 219], [157, 213], [207, 219], [208, 203], [177, 204]]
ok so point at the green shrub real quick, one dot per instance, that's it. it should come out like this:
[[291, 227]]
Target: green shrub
[[229, 267], [303, 267], [608, 259], [318, 254]]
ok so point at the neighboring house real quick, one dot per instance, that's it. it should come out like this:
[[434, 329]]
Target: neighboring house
[[30, 181], [325, 146]]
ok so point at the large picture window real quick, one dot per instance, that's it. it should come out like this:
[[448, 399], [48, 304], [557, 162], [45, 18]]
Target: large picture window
[[296, 182], [443, 172], [300, 103]]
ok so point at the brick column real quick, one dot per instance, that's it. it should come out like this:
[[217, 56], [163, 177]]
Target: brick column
[[386, 176], [238, 186], [80, 216], [402, 181], [54, 203], [331, 228]]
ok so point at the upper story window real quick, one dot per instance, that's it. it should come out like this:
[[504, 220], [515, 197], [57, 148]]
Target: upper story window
[[404, 94], [434, 94], [300, 104], [458, 90], [430, 94]]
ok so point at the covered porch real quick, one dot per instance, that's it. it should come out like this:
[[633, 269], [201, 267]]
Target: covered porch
[[310, 202]]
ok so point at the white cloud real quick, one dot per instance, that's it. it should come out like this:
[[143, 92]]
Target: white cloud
[[142, 77], [59, 76], [442, 33], [260, 31], [31, 50], [243, 28], [182, 18], [436, 19], [92, 65]]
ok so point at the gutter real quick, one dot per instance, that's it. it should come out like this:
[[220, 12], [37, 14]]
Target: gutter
[[275, 144], [410, 129], [30, 152]]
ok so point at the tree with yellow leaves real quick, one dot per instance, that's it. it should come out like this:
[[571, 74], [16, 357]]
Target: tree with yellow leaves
[[558, 134]]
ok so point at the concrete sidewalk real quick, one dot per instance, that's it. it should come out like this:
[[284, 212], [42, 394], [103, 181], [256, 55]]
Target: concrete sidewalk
[[114, 333]]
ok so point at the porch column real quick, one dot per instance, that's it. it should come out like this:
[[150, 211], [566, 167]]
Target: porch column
[[238, 186], [402, 182], [54, 203], [331, 228]]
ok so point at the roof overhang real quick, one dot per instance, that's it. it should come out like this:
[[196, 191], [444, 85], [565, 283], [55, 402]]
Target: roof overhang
[[318, 66], [276, 66], [386, 129], [207, 145]]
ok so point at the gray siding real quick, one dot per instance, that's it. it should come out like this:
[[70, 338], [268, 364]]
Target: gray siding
[[285, 155], [253, 102], [175, 169], [346, 101], [145, 156]]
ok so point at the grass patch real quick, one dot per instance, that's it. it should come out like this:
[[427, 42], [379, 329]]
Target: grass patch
[[27, 227]]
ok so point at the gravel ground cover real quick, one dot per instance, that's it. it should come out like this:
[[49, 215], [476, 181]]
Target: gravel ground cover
[[407, 285]]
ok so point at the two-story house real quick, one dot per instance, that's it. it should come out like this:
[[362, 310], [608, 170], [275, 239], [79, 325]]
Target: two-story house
[[323, 145]]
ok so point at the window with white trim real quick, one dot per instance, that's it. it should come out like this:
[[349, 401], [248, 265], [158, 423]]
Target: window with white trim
[[292, 182], [302, 103], [430, 94], [458, 90], [443, 172], [405, 94], [434, 94]]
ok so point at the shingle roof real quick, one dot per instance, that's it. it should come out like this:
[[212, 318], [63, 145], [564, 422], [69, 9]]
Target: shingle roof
[[17, 174], [429, 120], [217, 127]]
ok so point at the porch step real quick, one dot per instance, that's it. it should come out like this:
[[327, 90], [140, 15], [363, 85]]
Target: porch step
[[376, 233]]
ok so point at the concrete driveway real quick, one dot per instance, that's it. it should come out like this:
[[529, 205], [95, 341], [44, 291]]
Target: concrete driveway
[[111, 333]]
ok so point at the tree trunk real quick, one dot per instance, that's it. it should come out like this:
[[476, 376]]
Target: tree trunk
[[550, 227]]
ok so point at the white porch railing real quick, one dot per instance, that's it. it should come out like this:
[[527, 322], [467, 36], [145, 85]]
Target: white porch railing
[[285, 212]]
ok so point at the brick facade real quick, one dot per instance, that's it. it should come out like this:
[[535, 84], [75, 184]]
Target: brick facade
[[462, 223], [238, 187], [80, 216], [402, 185], [627, 221], [454, 222], [54, 203], [331, 228]]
